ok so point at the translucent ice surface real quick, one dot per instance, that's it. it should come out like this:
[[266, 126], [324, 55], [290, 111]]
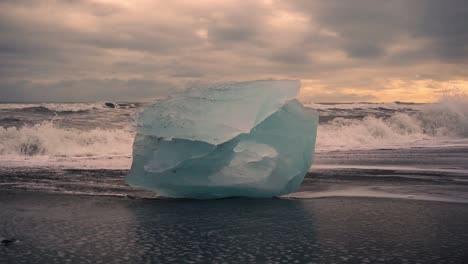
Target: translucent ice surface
[[236, 139]]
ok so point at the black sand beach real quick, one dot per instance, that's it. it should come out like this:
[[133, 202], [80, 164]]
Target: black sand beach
[[57, 228], [141, 131], [67, 202]]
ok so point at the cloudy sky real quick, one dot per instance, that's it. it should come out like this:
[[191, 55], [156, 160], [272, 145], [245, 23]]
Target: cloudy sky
[[360, 50]]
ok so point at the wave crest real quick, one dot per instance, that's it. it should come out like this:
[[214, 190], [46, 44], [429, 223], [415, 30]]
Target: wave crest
[[48, 139], [426, 125], [68, 107], [446, 119]]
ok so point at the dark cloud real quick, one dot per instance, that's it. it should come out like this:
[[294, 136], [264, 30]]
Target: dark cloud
[[131, 50], [231, 33], [367, 28], [444, 23], [85, 90], [363, 27], [291, 56]]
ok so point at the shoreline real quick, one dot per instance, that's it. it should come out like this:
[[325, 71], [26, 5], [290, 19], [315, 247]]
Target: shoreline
[[58, 228], [292, 196]]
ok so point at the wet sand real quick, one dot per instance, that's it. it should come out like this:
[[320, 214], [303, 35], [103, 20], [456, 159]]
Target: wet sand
[[58, 228]]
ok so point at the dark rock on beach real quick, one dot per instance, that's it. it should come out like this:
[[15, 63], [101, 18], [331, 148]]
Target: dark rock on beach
[[7, 242], [110, 105]]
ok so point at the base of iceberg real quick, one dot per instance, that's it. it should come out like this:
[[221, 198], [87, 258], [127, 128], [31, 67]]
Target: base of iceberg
[[239, 139]]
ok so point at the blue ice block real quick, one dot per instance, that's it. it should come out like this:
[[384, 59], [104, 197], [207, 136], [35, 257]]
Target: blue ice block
[[237, 139]]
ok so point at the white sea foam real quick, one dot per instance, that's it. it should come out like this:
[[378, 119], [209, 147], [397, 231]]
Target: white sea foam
[[351, 106], [432, 124], [46, 139], [56, 107], [441, 124], [421, 193]]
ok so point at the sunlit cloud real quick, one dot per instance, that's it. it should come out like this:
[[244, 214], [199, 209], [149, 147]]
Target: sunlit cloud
[[343, 51]]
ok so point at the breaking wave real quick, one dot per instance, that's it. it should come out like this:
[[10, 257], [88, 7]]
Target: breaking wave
[[447, 119], [67, 107], [49, 140], [54, 107]]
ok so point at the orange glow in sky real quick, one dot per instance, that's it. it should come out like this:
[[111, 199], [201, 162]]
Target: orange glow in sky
[[342, 51]]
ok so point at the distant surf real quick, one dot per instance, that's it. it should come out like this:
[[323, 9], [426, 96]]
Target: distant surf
[[54, 133]]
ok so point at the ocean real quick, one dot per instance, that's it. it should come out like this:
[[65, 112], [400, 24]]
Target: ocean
[[389, 184], [404, 150]]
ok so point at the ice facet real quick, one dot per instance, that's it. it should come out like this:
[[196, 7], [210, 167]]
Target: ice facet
[[217, 113], [238, 139]]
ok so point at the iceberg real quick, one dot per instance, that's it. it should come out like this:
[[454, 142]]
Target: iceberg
[[250, 139]]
